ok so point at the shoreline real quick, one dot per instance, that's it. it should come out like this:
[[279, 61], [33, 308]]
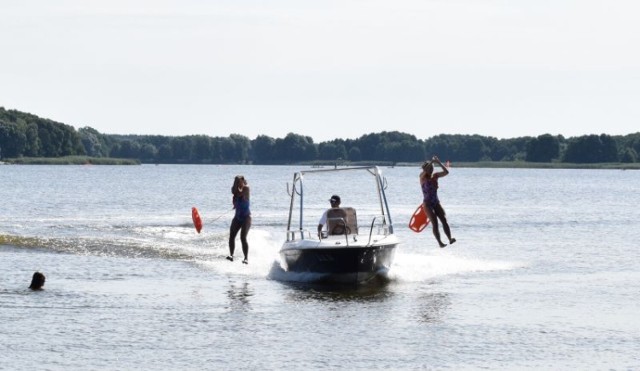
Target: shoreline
[[492, 165], [69, 160], [86, 160]]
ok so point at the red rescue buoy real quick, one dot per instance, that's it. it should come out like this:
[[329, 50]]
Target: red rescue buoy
[[419, 219], [197, 221]]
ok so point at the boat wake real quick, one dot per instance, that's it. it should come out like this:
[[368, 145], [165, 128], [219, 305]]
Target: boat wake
[[162, 247], [209, 249], [413, 267]]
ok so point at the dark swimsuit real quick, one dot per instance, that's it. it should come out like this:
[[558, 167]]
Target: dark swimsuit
[[242, 208], [430, 192]]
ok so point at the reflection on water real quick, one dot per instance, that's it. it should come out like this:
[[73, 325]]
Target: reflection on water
[[377, 290], [239, 295], [433, 306]]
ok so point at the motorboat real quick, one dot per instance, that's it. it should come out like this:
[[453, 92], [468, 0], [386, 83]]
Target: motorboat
[[359, 243]]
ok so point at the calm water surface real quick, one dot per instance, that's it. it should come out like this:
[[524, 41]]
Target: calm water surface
[[545, 274]]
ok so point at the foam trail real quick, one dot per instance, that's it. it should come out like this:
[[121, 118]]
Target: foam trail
[[264, 261], [263, 254], [411, 267]]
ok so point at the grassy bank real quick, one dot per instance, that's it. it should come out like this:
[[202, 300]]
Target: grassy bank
[[488, 164], [71, 160], [85, 160], [552, 165]]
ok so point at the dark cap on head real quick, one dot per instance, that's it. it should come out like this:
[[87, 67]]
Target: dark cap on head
[[335, 198]]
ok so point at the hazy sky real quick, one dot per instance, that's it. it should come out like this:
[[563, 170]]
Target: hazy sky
[[326, 69]]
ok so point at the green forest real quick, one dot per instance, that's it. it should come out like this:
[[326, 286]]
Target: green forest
[[24, 135]]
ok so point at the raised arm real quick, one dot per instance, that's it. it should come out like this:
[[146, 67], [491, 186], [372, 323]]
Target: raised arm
[[444, 171], [245, 191]]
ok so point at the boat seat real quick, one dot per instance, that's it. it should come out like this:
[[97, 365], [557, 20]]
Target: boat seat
[[340, 219]]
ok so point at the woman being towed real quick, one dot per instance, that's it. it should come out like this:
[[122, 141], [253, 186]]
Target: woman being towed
[[432, 206], [242, 218]]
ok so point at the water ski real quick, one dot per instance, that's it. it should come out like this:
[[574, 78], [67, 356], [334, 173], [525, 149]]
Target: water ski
[[419, 219], [197, 221]]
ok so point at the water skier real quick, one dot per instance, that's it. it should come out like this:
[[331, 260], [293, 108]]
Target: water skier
[[432, 205]]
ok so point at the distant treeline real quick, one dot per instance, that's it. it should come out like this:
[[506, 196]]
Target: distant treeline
[[26, 135]]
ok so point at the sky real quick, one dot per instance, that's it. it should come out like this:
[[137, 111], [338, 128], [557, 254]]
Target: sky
[[325, 69]]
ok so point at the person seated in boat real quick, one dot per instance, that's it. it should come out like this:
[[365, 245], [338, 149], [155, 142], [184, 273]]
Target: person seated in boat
[[37, 281], [336, 214]]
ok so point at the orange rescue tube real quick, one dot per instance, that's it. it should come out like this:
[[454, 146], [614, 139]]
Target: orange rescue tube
[[419, 219], [197, 221]]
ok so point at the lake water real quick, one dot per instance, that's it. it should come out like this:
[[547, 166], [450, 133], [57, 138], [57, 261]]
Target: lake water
[[545, 274]]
